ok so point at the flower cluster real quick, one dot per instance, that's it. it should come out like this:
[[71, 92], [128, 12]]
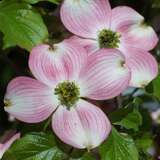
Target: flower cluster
[[108, 53]]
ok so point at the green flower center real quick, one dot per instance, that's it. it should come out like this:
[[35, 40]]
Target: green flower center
[[68, 93], [108, 39]]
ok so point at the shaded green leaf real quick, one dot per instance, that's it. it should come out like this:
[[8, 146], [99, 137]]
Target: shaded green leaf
[[118, 147], [145, 156], [35, 146], [156, 4], [36, 1], [21, 25], [144, 142], [129, 116], [131, 121], [86, 156], [154, 87], [119, 114]]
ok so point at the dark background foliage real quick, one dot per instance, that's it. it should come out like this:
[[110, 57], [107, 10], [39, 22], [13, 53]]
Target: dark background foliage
[[14, 62]]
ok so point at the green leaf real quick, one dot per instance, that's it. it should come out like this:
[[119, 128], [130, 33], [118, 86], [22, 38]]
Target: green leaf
[[156, 4], [118, 147], [86, 156], [129, 116], [154, 87], [132, 121], [145, 156], [119, 114], [35, 146], [21, 25], [36, 1], [144, 142]]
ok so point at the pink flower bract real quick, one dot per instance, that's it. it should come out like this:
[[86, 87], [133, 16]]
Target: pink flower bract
[[5, 146], [65, 74], [98, 26]]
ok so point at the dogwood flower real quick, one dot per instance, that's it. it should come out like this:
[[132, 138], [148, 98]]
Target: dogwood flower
[[66, 75], [98, 26], [5, 146]]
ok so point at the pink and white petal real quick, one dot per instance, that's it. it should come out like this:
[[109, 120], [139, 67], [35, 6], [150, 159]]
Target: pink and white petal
[[84, 126], [90, 45], [95, 123], [143, 66], [52, 66], [140, 36], [123, 17], [29, 100], [85, 17], [4, 147], [67, 126], [105, 76]]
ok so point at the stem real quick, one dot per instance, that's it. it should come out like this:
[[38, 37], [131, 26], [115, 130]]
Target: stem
[[47, 124], [49, 121], [118, 101], [70, 151], [133, 92]]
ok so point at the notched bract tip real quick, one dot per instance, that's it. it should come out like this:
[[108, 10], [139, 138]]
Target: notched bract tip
[[7, 103]]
